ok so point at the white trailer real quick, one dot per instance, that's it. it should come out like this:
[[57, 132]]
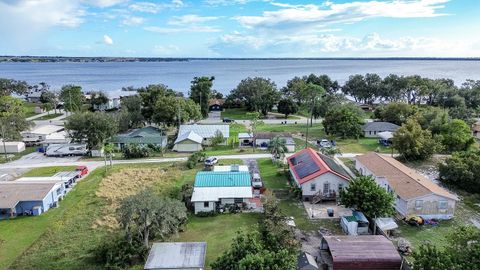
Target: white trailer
[[61, 150]]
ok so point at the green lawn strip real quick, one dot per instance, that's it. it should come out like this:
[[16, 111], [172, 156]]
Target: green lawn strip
[[30, 109], [28, 150], [48, 171], [217, 231], [314, 132], [229, 150], [58, 239], [241, 114], [273, 177], [49, 116], [362, 145]]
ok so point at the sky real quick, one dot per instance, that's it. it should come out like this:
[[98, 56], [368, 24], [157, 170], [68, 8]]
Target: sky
[[241, 28]]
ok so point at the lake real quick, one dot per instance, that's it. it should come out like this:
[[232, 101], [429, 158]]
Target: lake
[[111, 77]]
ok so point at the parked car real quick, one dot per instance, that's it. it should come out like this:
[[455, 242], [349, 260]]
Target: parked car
[[228, 120], [324, 143], [210, 161], [256, 180], [82, 170]]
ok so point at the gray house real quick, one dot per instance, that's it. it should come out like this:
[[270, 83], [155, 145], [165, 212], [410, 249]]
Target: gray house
[[177, 255], [371, 129], [192, 138], [141, 136]]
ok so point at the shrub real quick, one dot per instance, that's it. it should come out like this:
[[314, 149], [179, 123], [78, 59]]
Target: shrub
[[135, 151], [118, 253]]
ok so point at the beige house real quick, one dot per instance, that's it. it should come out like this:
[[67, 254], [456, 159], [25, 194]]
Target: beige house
[[192, 138], [415, 194], [318, 176]]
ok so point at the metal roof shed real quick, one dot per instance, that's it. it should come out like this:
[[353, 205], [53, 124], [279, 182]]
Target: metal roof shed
[[361, 252], [177, 255]]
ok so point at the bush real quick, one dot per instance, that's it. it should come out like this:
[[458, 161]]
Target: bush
[[135, 151], [118, 253], [206, 214], [194, 159]]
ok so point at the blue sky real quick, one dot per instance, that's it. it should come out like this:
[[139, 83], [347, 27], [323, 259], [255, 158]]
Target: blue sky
[[241, 28]]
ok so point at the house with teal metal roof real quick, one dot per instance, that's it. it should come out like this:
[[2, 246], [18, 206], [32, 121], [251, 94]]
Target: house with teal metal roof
[[214, 190], [141, 136]]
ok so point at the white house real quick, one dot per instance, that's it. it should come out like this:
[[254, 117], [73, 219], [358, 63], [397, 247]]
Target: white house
[[262, 140], [111, 104], [231, 168], [213, 190], [192, 138], [371, 129], [415, 194], [319, 177], [39, 134]]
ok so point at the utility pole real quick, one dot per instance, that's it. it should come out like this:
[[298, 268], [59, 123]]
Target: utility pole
[[3, 140], [311, 120]]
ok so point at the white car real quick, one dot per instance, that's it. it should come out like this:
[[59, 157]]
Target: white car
[[256, 180], [210, 161], [325, 143]]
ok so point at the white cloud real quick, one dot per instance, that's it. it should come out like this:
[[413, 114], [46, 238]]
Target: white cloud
[[107, 40], [150, 7], [228, 2], [133, 21], [329, 12], [169, 30], [105, 3], [166, 50], [190, 19]]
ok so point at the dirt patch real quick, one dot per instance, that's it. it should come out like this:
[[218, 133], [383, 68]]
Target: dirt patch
[[126, 182]]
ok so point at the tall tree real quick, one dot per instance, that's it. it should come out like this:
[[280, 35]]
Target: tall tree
[[259, 94], [461, 170], [287, 106], [93, 128], [201, 92], [9, 86], [415, 143], [330, 86], [344, 121], [456, 136], [130, 115], [146, 216], [12, 118], [150, 96], [98, 98], [365, 195], [49, 100], [395, 112], [72, 97]]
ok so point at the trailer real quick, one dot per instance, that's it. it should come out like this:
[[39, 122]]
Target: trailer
[[61, 150]]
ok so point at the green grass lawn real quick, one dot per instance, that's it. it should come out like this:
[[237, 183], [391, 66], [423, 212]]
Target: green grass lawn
[[48, 171], [315, 132], [28, 150], [229, 150], [241, 114], [49, 116], [219, 239], [362, 145], [30, 109], [273, 177]]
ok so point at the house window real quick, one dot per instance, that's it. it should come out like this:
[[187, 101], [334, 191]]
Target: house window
[[238, 200], [418, 204], [370, 132], [59, 191], [313, 186], [206, 204], [340, 186], [442, 205]]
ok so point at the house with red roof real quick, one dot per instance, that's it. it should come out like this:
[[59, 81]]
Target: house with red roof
[[318, 176]]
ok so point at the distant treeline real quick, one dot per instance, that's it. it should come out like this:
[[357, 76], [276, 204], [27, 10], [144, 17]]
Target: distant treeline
[[160, 59]]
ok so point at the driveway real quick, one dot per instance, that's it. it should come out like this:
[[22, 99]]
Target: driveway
[[252, 165], [213, 117]]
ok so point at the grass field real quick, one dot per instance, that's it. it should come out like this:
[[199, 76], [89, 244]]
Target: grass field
[[30, 109], [48, 171], [217, 231], [315, 132], [272, 176], [66, 237], [241, 114], [362, 145]]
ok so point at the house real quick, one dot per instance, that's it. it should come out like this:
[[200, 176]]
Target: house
[[34, 97], [192, 138], [231, 168], [306, 262], [318, 176], [111, 104], [177, 255], [245, 139], [216, 104], [262, 140], [141, 136], [39, 134], [414, 193], [356, 224], [33, 198], [371, 129], [213, 190], [360, 252], [11, 147], [476, 130]]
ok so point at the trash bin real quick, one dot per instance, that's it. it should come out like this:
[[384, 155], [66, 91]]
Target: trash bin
[[330, 212]]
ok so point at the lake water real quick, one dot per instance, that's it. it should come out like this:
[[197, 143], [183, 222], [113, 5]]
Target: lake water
[[111, 77]]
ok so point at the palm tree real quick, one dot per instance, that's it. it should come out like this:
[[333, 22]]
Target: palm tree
[[330, 151], [277, 147]]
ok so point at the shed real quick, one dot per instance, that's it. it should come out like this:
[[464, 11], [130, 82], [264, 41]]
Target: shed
[[191, 138], [306, 262], [12, 147], [177, 255], [360, 252]]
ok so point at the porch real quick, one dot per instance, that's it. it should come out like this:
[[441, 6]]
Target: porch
[[321, 210]]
